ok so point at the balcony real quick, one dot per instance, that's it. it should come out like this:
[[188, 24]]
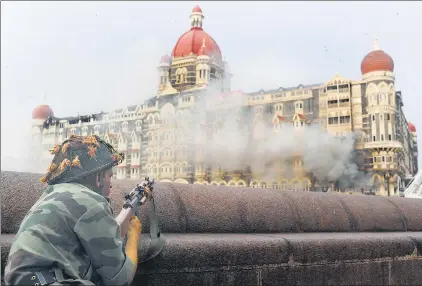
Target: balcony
[[383, 144], [345, 104]]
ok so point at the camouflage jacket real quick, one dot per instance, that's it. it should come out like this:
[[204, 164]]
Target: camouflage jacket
[[70, 227]]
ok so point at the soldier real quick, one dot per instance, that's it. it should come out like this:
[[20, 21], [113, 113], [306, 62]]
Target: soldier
[[70, 237]]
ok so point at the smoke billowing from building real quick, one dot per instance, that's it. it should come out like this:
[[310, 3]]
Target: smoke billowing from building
[[232, 137], [28, 157]]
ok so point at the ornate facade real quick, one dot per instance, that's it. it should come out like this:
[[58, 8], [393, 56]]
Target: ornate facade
[[151, 136]]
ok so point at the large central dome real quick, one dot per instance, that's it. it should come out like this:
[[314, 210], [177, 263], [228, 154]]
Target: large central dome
[[191, 42]]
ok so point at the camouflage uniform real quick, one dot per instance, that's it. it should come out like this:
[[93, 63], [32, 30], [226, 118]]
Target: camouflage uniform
[[70, 231]]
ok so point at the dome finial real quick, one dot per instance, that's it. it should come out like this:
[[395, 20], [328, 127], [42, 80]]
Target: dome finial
[[196, 18], [375, 45]]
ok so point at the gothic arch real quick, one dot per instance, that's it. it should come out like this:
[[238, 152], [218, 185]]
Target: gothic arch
[[295, 184], [371, 88], [254, 184], [181, 181], [241, 183], [377, 181], [283, 184], [231, 183], [306, 184]]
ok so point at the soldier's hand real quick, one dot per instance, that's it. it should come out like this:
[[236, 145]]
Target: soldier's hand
[[135, 226]]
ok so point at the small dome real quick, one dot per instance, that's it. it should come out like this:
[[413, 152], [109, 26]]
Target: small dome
[[412, 127], [376, 60], [42, 112], [196, 9]]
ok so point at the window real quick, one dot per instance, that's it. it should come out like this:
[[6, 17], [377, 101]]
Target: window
[[389, 137], [387, 116], [373, 117], [97, 129], [382, 137], [333, 120], [344, 119], [374, 138]]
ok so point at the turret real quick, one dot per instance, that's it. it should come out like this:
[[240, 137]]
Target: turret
[[203, 66], [164, 72], [196, 18]]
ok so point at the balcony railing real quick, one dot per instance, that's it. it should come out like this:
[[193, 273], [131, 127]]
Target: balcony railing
[[384, 144]]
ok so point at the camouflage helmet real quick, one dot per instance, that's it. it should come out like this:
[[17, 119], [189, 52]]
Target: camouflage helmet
[[79, 157]]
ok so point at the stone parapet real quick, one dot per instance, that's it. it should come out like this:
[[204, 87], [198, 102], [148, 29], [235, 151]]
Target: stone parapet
[[217, 235]]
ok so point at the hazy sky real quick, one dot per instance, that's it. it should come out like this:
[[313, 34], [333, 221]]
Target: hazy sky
[[91, 56]]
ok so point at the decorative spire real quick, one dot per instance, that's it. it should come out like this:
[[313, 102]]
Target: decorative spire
[[196, 18], [203, 49], [375, 45]]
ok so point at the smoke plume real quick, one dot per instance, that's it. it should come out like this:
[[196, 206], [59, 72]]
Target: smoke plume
[[232, 137]]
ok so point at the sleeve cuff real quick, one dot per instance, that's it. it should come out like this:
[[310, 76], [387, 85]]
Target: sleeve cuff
[[124, 276]]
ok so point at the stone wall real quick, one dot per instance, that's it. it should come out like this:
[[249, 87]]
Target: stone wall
[[218, 235]]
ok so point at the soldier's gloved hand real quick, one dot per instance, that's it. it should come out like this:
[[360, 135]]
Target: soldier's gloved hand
[[133, 236], [135, 226]]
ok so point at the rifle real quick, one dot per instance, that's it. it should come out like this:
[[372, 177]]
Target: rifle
[[131, 206], [133, 202]]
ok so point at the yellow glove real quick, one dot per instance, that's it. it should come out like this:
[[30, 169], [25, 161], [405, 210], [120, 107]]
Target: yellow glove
[[133, 236]]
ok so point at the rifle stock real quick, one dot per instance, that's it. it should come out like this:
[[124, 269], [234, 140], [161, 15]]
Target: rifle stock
[[123, 219]]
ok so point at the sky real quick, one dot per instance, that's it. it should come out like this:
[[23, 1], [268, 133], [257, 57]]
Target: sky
[[85, 57]]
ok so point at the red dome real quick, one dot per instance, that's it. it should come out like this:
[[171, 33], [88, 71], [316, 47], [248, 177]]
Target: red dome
[[377, 61], [191, 42], [412, 127], [42, 112], [196, 9]]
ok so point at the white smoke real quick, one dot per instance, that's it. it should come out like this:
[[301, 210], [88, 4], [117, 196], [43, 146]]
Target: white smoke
[[27, 159], [224, 128]]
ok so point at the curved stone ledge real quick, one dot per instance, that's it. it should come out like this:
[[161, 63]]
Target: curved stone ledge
[[281, 259], [218, 209], [242, 236]]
